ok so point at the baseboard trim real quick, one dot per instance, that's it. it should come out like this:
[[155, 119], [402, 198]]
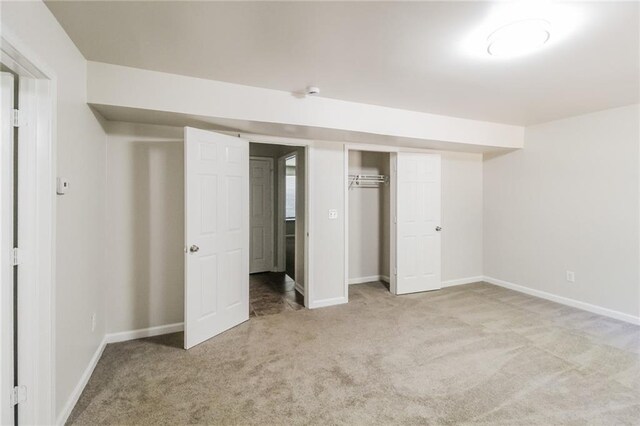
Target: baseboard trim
[[299, 288], [123, 336], [84, 379], [362, 280], [328, 302], [461, 281], [621, 316]]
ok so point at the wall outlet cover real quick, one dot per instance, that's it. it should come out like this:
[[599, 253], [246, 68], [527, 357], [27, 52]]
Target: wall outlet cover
[[571, 276]]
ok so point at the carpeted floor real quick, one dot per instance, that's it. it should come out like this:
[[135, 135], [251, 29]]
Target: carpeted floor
[[474, 354]]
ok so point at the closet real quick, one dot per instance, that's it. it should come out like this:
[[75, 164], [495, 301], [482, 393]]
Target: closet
[[369, 221]]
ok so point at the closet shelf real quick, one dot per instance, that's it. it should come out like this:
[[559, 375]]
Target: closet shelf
[[367, 181]]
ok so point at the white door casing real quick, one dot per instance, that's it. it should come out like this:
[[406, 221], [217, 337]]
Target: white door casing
[[261, 218], [6, 249], [216, 234], [418, 227]]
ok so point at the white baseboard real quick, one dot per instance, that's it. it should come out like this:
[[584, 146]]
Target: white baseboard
[[327, 302], [565, 301], [299, 288], [461, 281], [123, 336], [84, 379], [372, 278]]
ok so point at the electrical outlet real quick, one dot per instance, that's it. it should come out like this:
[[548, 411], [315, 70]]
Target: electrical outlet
[[93, 322], [571, 276], [333, 214]]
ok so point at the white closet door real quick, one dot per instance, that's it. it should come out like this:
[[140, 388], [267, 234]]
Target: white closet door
[[217, 234], [261, 252], [418, 228]]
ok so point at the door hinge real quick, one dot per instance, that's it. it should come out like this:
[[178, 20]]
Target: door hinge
[[395, 270], [18, 395], [17, 118], [16, 256]]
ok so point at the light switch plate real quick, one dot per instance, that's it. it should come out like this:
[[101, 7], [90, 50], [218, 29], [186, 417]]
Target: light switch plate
[[62, 184], [333, 214]]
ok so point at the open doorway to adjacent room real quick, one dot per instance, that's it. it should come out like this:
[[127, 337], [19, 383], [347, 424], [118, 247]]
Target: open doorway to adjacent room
[[277, 204]]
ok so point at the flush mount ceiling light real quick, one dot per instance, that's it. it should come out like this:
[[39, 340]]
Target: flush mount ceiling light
[[518, 38]]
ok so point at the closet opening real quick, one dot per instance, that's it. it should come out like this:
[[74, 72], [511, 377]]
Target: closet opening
[[369, 221], [277, 228]]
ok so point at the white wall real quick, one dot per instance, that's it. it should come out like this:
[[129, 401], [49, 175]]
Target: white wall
[[80, 214], [569, 201], [462, 196], [145, 226], [326, 166], [145, 222]]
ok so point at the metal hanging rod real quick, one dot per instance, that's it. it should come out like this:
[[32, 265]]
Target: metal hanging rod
[[368, 181]]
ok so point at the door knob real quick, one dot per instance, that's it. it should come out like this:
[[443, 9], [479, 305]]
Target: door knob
[[438, 229], [193, 249]]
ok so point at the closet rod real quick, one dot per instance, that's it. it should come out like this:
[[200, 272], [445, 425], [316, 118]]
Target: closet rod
[[368, 181]]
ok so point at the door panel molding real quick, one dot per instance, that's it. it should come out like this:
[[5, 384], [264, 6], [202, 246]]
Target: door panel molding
[[216, 234]]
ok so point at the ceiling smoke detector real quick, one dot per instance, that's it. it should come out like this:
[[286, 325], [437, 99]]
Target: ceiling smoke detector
[[313, 90]]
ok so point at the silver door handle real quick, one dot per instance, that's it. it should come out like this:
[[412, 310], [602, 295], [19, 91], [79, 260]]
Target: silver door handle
[[194, 249], [438, 229]]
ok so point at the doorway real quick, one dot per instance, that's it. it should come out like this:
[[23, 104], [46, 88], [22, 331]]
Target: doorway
[[277, 207], [369, 218], [392, 221]]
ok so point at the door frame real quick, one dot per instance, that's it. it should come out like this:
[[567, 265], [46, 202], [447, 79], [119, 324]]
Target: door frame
[[282, 215], [392, 151], [308, 202], [36, 233], [281, 237], [393, 154], [273, 209]]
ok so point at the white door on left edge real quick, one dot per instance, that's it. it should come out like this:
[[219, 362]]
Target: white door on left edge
[[216, 234], [261, 205]]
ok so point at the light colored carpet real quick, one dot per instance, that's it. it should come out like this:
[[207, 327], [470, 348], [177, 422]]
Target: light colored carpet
[[474, 354]]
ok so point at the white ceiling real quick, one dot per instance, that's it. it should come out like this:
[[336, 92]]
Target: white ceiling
[[404, 55]]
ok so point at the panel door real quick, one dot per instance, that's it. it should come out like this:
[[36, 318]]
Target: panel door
[[418, 222], [261, 218], [216, 234]]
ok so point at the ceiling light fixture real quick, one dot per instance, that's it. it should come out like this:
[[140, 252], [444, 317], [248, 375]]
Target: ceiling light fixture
[[518, 38]]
